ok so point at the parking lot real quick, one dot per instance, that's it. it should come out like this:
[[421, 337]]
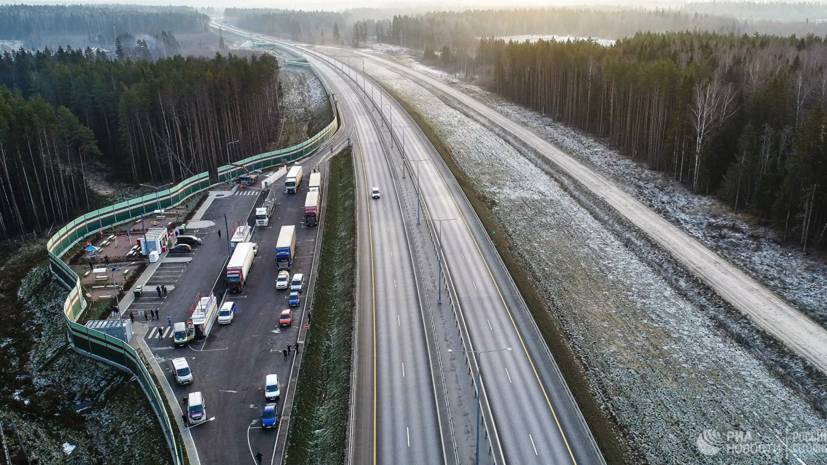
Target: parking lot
[[230, 365]]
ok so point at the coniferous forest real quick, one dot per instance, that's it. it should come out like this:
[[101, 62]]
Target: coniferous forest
[[742, 117], [143, 121]]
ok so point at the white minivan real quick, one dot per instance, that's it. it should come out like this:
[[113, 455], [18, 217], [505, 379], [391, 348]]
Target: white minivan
[[297, 283], [196, 410], [271, 388], [181, 371], [227, 313]]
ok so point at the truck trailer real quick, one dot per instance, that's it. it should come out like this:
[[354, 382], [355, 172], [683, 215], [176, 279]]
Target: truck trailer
[[293, 180], [315, 183], [311, 208], [286, 247], [238, 268]]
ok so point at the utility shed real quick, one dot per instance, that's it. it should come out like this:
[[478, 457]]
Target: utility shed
[[154, 240]]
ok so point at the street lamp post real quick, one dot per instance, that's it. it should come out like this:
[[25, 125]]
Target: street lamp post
[[479, 393], [439, 222], [228, 149]]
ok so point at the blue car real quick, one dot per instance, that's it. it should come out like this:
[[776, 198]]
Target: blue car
[[293, 300], [269, 416]]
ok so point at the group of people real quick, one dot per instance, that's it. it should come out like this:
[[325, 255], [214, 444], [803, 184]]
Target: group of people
[[161, 290], [151, 314], [289, 349]]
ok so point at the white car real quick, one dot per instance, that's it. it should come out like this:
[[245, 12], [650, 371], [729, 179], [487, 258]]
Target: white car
[[375, 194], [271, 388], [181, 371], [283, 280], [226, 313], [297, 283]]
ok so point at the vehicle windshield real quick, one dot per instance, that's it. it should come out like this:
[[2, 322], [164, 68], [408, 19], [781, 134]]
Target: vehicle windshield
[[269, 414], [183, 372], [272, 388], [224, 312], [290, 183], [196, 410], [180, 334]]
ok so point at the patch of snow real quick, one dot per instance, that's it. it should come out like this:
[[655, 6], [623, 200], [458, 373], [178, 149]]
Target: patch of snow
[[68, 448]]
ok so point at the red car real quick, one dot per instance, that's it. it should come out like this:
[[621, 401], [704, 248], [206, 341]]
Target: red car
[[286, 318]]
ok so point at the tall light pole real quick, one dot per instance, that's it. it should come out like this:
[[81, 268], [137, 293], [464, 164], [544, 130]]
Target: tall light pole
[[439, 222], [479, 392], [418, 188]]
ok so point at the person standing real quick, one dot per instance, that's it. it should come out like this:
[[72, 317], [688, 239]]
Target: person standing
[[158, 291], [169, 320], [259, 457], [164, 289], [284, 352], [288, 349], [131, 317], [219, 234]]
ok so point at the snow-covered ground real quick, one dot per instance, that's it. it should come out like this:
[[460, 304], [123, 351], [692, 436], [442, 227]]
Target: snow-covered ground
[[659, 353], [800, 279]]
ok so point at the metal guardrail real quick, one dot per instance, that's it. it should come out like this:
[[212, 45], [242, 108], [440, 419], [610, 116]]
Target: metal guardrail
[[113, 351]]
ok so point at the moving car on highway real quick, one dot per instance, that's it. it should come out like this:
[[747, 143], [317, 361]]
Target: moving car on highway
[[375, 194]]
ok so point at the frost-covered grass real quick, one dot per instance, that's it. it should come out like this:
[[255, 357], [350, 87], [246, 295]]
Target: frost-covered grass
[[44, 382], [652, 344], [318, 431]]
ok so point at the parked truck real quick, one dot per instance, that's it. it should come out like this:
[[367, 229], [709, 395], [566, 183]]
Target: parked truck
[[286, 247], [239, 265], [311, 208], [263, 213], [293, 180], [242, 234], [315, 183], [203, 317]]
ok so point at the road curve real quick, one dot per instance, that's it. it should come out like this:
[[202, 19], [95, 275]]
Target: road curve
[[765, 308]]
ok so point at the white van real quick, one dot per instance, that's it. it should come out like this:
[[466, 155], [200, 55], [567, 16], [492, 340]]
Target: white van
[[196, 409], [227, 313], [297, 283], [271, 388], [181, 371]]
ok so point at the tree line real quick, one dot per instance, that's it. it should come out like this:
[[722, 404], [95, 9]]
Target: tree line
[[157, 121], [33, 24], [316, 27], [741, 117]]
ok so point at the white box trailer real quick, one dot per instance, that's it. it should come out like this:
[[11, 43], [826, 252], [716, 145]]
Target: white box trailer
[[238, 268], [293, 180], [286, 247], [315, 183]]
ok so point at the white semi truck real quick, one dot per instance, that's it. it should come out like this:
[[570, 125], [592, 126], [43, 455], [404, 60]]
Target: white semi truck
[[263, 213], [315, 183], [242, 234], [293, 180]]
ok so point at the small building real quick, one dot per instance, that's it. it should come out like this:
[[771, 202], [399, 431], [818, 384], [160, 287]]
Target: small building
[[155, 239], [121, 329]]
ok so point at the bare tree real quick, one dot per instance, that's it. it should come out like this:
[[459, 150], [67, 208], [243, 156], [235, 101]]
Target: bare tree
[[713, 104]]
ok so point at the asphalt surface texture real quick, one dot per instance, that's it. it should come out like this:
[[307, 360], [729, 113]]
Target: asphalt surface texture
[[230, 365], [536, 419]]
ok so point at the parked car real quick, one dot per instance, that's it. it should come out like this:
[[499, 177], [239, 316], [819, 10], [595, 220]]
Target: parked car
[[269, 416], [271, 388], [181, 371], [283, 280], [293, 300], [196, 410], [191, 241], [227, 313], [181, 248], [375, 194], [297, 283], [286, 318]]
